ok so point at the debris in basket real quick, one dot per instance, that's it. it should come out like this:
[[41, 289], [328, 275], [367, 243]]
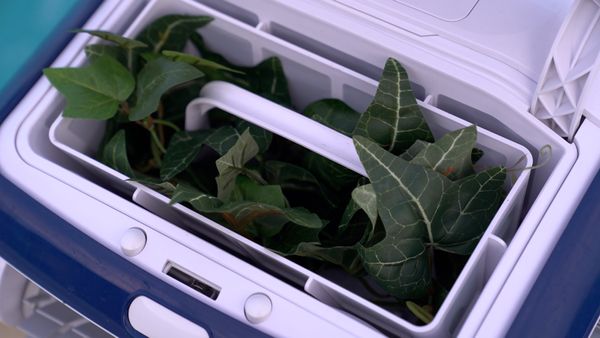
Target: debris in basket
[[407, 225]]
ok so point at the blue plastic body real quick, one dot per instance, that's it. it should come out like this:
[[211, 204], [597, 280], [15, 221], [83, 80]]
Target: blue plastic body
[[565, 300], [72, 266]]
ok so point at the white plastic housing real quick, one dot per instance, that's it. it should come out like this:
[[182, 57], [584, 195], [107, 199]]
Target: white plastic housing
[[306, 71], [313, 40]]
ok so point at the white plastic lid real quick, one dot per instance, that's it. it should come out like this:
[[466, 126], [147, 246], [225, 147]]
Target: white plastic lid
[[443, 10], [554, 43]]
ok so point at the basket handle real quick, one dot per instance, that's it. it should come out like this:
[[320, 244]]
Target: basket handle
[[275, 118]]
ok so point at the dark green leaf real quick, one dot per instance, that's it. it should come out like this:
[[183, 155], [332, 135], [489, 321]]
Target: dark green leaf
[[232, 164], [248, 190], [93, 52], [366, 199], [198, 42], [183, 148], [171, 32], [351, 209], [329, 172], [268, 80], [399, 265], [344, 256], [199, 200], [293, 235], [155, 79], [240, 214], [476, 155], [115, 154], [121, 41], [175, 100], [414, 150], [165, 188], [467, 209], [93, 92], [262, 136], [222, 75], [150, 56], [393, 119], [408, 195], [334, 114], [451, 154], [222, 139], [198, 62], [293, 178]]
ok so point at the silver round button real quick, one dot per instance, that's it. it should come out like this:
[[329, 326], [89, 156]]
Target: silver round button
[[133, 241], [258, 308]]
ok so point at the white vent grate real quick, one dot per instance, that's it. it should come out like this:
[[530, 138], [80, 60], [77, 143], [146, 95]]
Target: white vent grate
[[45, 316]]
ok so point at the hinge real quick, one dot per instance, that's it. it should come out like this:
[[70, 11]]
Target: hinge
[[568, 88]]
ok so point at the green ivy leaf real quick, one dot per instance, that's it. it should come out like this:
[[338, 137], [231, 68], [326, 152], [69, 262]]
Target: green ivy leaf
[[183, 148], [262, 136], [248, 190], [121, 41], [241, 214], [292, 235], [451, 154], [222, 139], [198, 41], [233, 164], [476, 155], [114, 154], [334, 114], [366, 199], [399, 265], [95, 51], [268, 80], [293, 178], [171, 32], [95, 91], [155, 79], [394, 119], [414, 150], [467, 209], [199, 200], [165, 188], [334, 175], [344, 256], [408, 195], [198, 62]]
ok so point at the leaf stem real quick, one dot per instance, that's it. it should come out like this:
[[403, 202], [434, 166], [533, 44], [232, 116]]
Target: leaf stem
[[254, 175], [161, 129], [167, 123], [124, 107], [130, 59], [155, 155], [156, 140]]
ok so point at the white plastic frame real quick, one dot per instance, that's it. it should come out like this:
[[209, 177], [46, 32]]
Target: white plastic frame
[[64, 134], [32, 166]]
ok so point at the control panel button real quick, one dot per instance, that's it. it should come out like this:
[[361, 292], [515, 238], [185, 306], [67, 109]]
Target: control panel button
[[258, 308]]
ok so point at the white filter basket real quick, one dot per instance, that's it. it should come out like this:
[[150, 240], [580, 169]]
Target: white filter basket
[[310, 78]]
